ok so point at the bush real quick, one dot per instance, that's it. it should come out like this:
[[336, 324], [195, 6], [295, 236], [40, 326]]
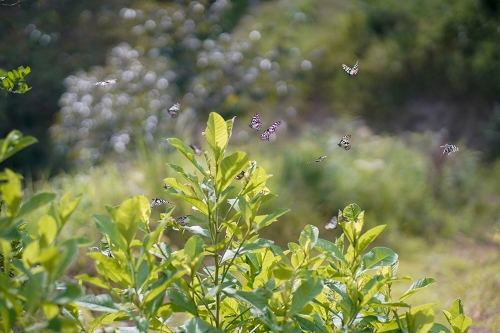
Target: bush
[[228, 278]]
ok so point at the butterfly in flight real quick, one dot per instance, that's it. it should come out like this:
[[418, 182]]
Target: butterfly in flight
[[332, 224], [351, 71], [345, 142], [174, 110], [196, 149], [448, 149], [105, 82], [240, 175], [319, 159], [267, 133], [166, 187], [157, 202], [255, 122]]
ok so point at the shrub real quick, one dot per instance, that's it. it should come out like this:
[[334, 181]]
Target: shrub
[[227, 278]]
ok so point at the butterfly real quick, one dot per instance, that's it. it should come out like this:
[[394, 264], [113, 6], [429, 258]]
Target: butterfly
[[255, 122], [105, 82], [267, 133], [345, 142], [157, 202], [196, 149], [319, 159], [182, 220], [351, 71], [166, 187], [240, 175], [174, 110], [448, 149], [332, 224]]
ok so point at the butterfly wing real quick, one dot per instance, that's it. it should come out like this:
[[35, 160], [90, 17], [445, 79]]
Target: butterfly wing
[[240, 175], [345, 142], [265, 135], [255, 122], [332, 224], [351, 71], [157, 202], [346, 69], [174, 110]]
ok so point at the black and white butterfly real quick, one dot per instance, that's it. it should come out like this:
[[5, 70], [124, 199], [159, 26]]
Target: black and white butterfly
[[345, 142], [240, 175], [448, 149], [267, 133], [174, 110], [105, 82], [351, 71], [332, 224], [196, 149], [166, 187], [255, 122], [319, 159], [182, 220], [157, 202]]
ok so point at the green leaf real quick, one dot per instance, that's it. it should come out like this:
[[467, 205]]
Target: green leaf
[[35, 202], [198, 325], [420, 318], [368, 237], [257, 182], [272, 217], [416, 286], [182, 301], [129, 216], [256, 298], [461, 324], [246, 248], [307, 291], [188, 153], [317, 325], [331, 249], [378, 256], [11, 191], [352, 212], [108, 227], [245, 209], [66, 294], [438, 328], [103, 303], [92, 280], [230, 167], [193, 248], [217, 135], [456, 308], [13, 143], [308, 237]]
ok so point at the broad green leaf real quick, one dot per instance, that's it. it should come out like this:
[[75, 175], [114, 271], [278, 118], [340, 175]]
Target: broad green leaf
[[420, 318], [378, 256], [197, 230], [182, 301], [230, 167], [352, 212], [172, 182], [158, 288], [92, 280], [368, 237], [197, 203], [108, 227], [198, 325], [272, 217], [308, 238], [438, 328], [102, 303], [461, 324], [416, 286], [256, 298], [11, 191], [331, 249], [13, 143], [456, 308], [305, 293], [193, 248], [245, 209], [67, 208], [315, 325], [246, 248], [66, 293], [47, 230], [217, 135], [188, 153], [129, 216]]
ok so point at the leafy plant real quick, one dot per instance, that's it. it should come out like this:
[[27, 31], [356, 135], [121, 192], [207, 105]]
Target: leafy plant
[[13, 81], [33, 258], [229, 279]]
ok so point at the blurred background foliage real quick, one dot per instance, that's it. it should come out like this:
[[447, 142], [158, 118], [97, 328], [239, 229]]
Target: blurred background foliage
[[429, 74]]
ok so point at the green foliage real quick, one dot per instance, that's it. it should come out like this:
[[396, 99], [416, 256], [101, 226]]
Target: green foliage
[[33, 257], [227, 278], [13, 81]]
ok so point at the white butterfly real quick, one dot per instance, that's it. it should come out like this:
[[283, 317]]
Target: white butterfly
[[267, 133], [332, 224], [351, 71], [345, 142], [319, 159], [255, 122], [448, 149], [157, 202], [105, 82], [174, 110]]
